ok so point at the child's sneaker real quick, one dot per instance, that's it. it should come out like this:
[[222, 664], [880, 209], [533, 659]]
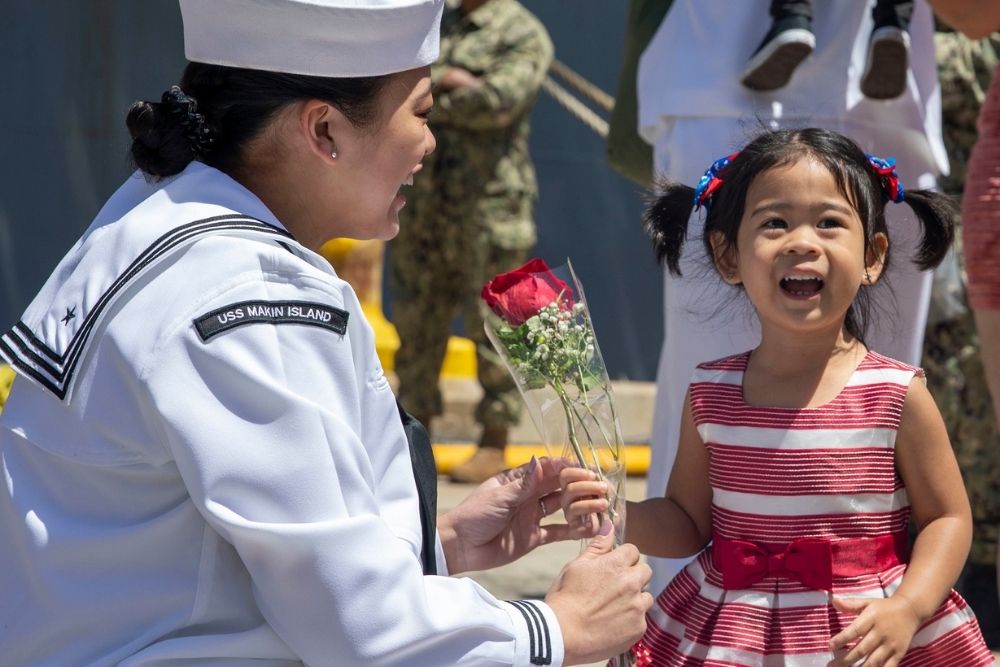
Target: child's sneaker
[[884, 77], [789, 41]]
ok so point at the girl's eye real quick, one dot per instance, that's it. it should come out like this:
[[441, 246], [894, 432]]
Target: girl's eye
[[830, 223], [426, 113], [774, 223]]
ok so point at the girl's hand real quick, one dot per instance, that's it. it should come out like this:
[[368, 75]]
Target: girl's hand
[[583, 499], [883, 631]]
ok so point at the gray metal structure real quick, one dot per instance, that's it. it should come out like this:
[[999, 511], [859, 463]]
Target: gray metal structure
[[72, 67]]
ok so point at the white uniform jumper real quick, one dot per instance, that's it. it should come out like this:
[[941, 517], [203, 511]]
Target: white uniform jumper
[[203, 461]]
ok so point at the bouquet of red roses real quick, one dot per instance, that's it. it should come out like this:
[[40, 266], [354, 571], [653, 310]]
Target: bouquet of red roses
[[543, 332]]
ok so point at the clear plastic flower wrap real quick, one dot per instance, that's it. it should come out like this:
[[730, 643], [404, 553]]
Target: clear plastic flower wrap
[[541, 328]]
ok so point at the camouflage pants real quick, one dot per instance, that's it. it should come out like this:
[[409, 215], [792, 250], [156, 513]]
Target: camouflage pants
[[438, 265], [956, 379], [955, 376]]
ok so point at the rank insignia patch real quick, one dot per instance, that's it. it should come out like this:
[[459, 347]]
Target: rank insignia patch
[[270, 312]]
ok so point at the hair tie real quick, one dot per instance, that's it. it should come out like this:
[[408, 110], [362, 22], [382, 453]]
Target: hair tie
[[886, 169], [704, 192], [184, 109]]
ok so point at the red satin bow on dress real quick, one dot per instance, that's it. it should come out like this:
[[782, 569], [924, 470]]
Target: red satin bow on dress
[[808, 560]]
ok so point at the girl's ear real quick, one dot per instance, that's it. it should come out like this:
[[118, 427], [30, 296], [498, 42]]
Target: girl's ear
[[875, 259], [725, 258]]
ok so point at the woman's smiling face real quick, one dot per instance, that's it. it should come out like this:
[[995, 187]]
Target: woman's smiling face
[[800, 251], [378, 161]]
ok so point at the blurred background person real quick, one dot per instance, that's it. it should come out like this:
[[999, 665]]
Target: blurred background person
[[952, 349], [966, 348], [469, 215]]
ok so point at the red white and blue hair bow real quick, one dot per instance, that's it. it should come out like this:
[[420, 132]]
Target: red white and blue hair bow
[[890, 179], [710, 182]]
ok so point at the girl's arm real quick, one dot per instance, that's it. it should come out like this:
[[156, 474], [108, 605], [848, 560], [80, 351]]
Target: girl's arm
[[940, 505], [679, 524], [941, 511]]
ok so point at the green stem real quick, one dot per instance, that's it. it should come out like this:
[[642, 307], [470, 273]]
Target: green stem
[[570, 410], [582, 384], [571, 427]]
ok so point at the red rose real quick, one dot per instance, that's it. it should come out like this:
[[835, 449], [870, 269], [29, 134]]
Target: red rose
[[522, 293]]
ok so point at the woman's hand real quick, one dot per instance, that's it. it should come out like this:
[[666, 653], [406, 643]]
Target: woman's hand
[[501, 520], [883, 631]]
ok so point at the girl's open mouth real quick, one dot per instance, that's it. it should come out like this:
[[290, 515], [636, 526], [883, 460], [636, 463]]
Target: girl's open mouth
[[801, 285]]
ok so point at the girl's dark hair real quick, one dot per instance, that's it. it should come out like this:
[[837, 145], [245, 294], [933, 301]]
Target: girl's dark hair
[[666, 219], [217, 109]]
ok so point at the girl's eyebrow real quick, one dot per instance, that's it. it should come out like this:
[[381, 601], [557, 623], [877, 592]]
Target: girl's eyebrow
[[781, 205]]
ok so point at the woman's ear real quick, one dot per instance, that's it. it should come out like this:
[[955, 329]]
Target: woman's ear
[[324, 128], [875, 258], [724, 254]]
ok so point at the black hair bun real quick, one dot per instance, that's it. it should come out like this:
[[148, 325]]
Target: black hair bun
[[168, 135]]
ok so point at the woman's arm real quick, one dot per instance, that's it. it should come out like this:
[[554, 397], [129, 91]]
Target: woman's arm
[[975, 18], [290, 445], [680, 523]]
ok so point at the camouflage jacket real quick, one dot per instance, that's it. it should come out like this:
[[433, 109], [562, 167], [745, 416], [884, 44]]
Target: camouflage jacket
[[965, 68], [482, 155]]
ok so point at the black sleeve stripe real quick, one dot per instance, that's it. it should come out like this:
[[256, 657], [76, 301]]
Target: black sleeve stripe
[[546, 639], [538, 632], [531, 631]]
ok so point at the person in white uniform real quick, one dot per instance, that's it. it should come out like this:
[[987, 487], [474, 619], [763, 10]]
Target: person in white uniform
[[694, 110], [202, 460]]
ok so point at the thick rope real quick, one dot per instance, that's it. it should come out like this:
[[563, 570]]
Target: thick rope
[[586, 88], [584, 113]]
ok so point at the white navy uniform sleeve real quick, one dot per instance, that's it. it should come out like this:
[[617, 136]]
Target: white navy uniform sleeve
[[288, 440]]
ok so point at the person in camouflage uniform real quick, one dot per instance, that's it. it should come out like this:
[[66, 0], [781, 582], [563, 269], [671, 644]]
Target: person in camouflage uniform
[[952, 356], [469, 213]]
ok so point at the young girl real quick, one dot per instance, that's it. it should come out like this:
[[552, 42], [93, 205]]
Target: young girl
[[801, 461]]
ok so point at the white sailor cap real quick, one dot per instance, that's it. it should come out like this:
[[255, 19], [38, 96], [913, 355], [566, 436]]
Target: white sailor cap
[[331, 38]]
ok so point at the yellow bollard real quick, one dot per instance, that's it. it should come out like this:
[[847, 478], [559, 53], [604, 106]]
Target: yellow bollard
[[360, 264], [7, 376]]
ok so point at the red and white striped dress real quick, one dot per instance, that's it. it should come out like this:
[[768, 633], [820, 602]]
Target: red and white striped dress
[[780, 476]]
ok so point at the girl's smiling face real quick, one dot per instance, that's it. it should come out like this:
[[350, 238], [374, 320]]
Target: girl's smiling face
[[800, 251]]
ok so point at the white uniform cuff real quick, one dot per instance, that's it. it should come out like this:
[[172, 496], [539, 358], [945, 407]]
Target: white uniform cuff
[[442, 563], [538, 638]]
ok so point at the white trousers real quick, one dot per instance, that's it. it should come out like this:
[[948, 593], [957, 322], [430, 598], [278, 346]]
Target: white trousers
[[705, 319]]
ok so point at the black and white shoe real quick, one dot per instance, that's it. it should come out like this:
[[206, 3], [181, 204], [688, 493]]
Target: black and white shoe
[[786, 45], [884, 77]]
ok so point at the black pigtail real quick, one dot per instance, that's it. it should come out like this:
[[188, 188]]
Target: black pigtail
[[937, 213], [665, 221]]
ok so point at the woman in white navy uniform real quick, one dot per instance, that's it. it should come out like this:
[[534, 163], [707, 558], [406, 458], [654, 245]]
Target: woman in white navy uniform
[[202, 460]]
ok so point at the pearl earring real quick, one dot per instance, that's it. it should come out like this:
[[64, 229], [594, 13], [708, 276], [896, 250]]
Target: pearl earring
[[333, 155]]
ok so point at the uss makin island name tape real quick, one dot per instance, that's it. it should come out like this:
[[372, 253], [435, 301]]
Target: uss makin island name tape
[[270, 312]]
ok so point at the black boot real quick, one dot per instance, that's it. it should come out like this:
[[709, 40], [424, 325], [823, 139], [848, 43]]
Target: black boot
[[789, 41], [888, 61]]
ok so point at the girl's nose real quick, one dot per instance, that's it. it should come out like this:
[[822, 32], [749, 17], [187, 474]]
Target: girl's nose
[[801, 241]]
